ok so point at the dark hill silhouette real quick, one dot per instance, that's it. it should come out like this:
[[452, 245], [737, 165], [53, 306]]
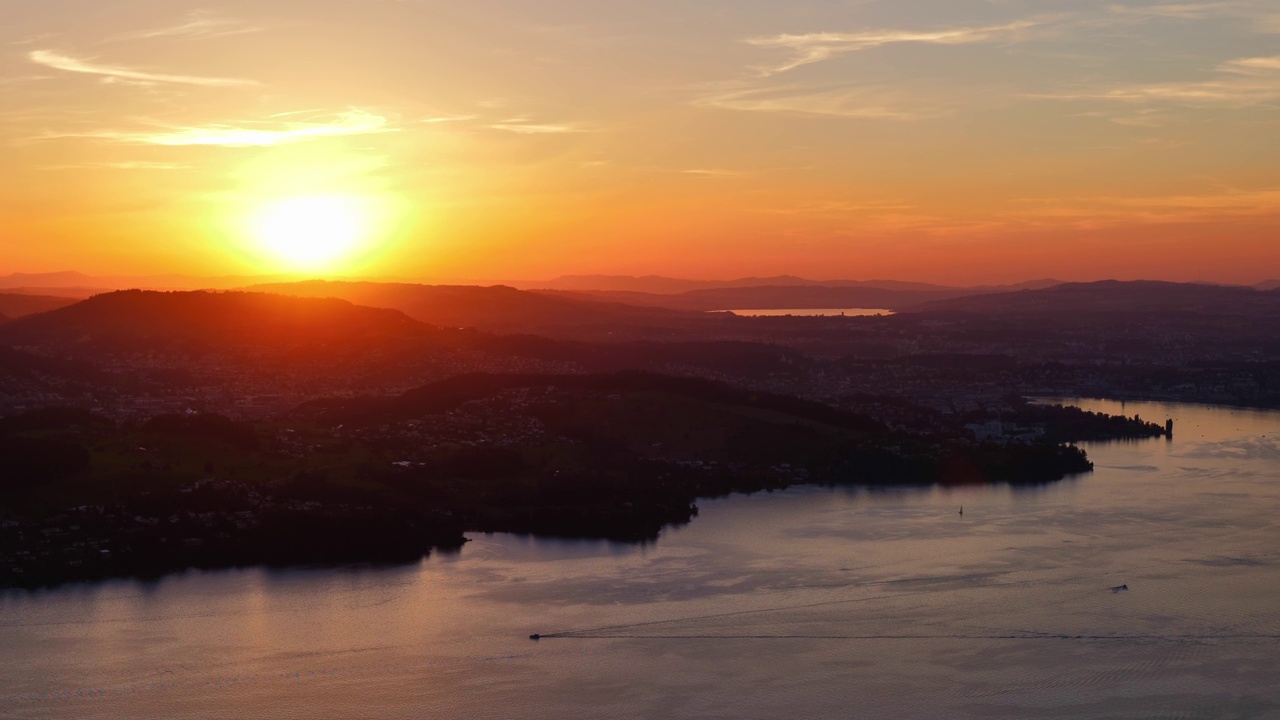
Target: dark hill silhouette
[[16, 305], [18, 364], [22, 371], [302, 327], [69, 292], [803, 294], [65, 278], [148, 319], [497, 308], [1119, 321], [444, 395], [1111, 297], [772, 297], [655, 284]]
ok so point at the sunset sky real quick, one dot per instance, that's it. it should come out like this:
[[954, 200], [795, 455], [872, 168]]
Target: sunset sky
[[950, 141]]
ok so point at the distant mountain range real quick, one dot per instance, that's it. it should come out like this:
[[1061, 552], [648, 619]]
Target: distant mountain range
[[78, 282], [498, 308], [349, 314], [1152, 321], [659, 285], [256, 325], [385, 326], [1112, 297], [771, 297], [609, 288], [15, 305]]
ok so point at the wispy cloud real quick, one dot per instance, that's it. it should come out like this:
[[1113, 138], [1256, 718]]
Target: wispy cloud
[[1262, 15], [1240, 82], [199, 24], [760, 91], [1252, 66], [1087, 212], [525, 126], [810, 48], [1180, 11], [1236, 201], [145, 165], [354, 122], [124, 165], [713, 172], [22, 79], [863, 101], [437, 119], [66, 63]]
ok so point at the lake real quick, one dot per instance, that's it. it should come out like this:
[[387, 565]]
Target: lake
[[805, 603]]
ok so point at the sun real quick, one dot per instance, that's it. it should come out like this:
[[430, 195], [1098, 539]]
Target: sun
[[313, 232]]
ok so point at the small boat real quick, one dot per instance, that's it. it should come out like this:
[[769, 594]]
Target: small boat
[[535, 636], [1118, 588]]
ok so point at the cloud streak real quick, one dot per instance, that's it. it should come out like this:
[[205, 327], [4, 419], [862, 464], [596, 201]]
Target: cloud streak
[[523, 126], [713, 172], [57, 61], [355, 122], [1252, 66], [761, 92], [1240, 82], [123, 165], [809, 48], [863, 101], [437, 119], [1086, 212], [1179, 11], [198, 25]]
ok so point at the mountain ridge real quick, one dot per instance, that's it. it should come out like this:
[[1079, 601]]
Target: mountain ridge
[[131, 317], [663, 285], [1109, 296], [16, 305], [495, 308]]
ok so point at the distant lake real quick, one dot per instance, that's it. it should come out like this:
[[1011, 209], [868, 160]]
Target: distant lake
[[808, 603], [810, 312]]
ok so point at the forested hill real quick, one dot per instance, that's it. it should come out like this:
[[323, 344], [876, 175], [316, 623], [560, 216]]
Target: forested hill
[[496, 309], [153, 320], [1114, 297], [447, 394], [15, 305]]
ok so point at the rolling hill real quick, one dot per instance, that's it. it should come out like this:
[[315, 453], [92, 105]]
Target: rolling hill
[[149, 319], [1113, 298], [806, 294], [659, 285], [497, 308], [1158, 322], [769, 297], [448, 394], [16, 305]]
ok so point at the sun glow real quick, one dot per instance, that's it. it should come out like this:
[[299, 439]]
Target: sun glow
[[314, 232]]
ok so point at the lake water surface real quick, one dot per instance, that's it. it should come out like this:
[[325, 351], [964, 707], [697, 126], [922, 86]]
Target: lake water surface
[[805, 603]]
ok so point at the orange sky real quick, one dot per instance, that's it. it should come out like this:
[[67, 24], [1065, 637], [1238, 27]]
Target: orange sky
[[941, 140]]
